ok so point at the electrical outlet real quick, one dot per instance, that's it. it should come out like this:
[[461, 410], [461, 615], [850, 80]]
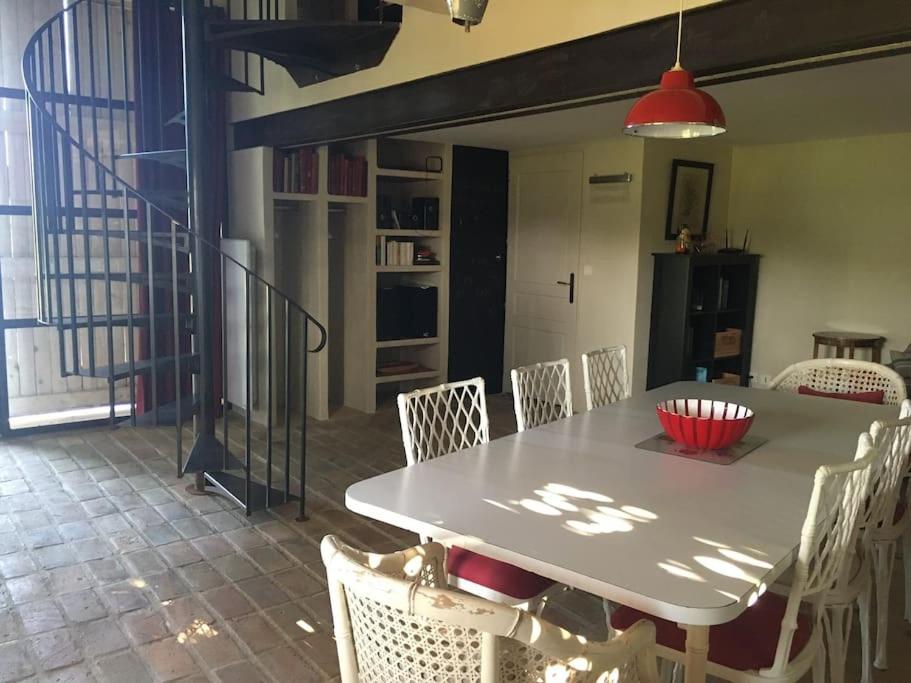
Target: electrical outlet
[[760, 381]]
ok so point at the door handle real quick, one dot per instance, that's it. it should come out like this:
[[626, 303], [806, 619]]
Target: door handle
[[572, 286]]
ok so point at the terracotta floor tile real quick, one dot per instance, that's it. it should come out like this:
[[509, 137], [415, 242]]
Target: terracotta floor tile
[[168, 659]]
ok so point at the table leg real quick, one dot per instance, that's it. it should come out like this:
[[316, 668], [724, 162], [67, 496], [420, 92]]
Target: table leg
[[697, 652], [851, 351], [815, 349], [877, 353], [840, 350]]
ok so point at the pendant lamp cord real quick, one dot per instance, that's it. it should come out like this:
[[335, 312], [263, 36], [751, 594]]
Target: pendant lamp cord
[[677, 66]]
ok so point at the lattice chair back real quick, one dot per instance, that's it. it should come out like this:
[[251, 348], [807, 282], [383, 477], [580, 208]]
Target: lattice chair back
[[843, 375], [839, 493], [443, 419], [892, 439], [541, 393], [393, 623], [605, 375]]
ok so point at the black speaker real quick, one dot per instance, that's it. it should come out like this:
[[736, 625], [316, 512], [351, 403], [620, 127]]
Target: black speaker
[[427, 212], [421, 306], [391, 312]]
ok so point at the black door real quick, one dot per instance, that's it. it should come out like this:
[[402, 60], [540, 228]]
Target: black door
[[477, 294]]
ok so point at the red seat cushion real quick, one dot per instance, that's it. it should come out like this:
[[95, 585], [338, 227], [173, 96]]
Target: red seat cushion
[[746, 644], [877, 396], [499, 576]]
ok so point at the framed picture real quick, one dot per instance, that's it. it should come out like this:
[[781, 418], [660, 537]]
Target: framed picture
[[688, 203]]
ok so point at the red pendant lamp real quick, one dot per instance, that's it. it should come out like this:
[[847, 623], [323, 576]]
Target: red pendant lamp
[[677, 109]]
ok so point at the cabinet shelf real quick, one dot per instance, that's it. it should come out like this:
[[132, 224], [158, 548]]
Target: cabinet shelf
[[402, 343]]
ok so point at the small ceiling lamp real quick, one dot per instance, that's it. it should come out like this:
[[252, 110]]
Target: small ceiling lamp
[[677, 109], [467, 13]]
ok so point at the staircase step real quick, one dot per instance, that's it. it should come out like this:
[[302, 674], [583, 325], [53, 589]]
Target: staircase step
[[123, 320], [310, 51], [180, 119], [228, 84], [208, 455], [188, 362], [171, 157], [234, 487], [167, 413]]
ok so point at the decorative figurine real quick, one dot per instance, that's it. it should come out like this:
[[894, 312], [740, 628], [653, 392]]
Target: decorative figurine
[[684, 241]]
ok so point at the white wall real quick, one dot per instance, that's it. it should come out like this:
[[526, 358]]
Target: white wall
[[609, 245], [832, 220], [428, 43]]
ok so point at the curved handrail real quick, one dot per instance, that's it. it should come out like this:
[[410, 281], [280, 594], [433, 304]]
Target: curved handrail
[[32, 90]]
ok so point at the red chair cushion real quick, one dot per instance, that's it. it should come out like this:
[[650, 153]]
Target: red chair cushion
[[878, 396], [746, 644], [499, 576]]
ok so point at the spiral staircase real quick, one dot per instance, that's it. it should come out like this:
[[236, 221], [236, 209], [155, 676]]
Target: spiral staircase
[[130, 272]]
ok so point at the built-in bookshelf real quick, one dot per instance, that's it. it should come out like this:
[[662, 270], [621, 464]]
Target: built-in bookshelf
[[316, 229]]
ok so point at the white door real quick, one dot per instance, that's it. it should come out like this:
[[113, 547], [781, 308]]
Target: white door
[[545, 196]]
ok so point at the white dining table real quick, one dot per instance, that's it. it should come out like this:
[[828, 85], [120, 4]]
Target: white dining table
[[574, 500]]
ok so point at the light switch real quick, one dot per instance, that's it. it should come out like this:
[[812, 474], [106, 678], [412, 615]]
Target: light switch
[[587, 270]]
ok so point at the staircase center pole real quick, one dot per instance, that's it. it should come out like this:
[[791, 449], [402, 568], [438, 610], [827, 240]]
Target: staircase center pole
[[197, 134]]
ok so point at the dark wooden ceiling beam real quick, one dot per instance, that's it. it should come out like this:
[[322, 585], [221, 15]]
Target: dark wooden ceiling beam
[[748, 36]]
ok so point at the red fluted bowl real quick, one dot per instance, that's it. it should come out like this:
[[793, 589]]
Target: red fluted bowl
[[700, 423]]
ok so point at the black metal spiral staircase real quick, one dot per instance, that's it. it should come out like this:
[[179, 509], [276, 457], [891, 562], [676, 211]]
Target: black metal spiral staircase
[[134, 284]]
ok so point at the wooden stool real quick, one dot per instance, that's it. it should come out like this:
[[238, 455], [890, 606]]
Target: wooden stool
[[849, 341]]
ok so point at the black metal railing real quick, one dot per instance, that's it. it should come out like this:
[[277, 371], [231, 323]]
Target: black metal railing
[[115, 270]]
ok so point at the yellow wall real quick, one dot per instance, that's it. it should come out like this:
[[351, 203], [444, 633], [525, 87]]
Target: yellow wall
[[832, 220], [659, 156], [429, 43]]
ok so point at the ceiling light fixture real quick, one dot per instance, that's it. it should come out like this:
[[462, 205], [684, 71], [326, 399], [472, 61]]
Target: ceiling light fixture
[[677, 109], [467, 13]]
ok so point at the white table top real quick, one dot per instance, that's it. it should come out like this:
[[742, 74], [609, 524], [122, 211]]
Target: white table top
[[685, 540]]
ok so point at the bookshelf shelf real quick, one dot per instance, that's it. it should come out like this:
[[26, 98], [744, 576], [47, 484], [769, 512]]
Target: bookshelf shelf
[[404, 343], [393, 232], [347, 199], [321, 247], [294, 197], [405, 175], [408, 269], [407, 376]]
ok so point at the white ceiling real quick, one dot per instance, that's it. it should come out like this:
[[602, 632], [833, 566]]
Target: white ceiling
[[861, 98]]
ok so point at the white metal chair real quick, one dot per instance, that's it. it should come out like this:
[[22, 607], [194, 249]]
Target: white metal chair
[[891, 441], [840, 376], [541, 393], [448, 418], [781, 638], [605, 375], [394, 620], [893, 523]]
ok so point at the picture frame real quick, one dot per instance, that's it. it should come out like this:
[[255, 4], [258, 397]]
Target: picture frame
[[689, 197]]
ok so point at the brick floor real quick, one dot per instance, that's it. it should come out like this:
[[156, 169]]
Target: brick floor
[[110, 570]]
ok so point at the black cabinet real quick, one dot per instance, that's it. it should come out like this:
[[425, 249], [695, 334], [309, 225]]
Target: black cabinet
[[702, 318]]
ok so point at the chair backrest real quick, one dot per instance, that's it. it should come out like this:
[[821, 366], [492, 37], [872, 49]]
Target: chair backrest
[[392, 616], [443, 419], [839, 492], [892, 439], [842, 375], [541, 393], [605, 376]]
